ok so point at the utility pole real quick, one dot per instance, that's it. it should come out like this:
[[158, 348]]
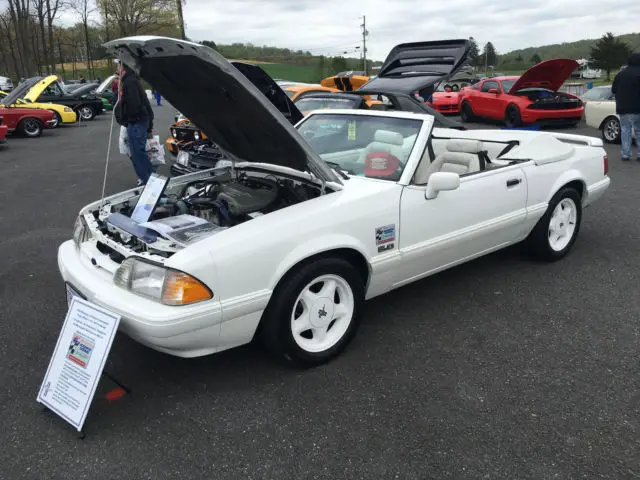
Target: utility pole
[[183, 36], [364, 43]]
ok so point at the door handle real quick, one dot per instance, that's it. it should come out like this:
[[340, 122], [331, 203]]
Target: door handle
[[513, 182]]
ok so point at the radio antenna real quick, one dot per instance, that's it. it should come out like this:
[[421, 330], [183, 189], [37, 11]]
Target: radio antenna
[[106, 163]]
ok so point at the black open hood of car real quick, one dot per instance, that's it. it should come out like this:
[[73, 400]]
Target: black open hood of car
[[19, 91], [411, 67], [271, 90], [216, 96]]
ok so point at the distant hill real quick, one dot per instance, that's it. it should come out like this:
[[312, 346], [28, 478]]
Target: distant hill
[[575, 50]]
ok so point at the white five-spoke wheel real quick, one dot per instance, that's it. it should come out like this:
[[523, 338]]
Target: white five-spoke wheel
[[557, 230], [322, 313], [562, 224], [314, 312], [611, 130]]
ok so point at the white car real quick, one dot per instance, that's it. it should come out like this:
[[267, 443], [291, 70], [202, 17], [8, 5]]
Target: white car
[[310, 221], [6, 85], [600, 113]]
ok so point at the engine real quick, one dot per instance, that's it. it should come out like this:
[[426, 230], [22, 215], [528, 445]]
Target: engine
[[545, 100]]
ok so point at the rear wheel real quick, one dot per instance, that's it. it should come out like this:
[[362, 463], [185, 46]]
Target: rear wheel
[[611, 130], [30, 127], [556, 232], [466, 113], [314, 313]]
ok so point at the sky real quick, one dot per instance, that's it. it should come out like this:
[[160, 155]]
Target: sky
[[332, 27]]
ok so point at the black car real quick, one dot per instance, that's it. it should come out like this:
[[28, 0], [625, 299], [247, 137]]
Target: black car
[[50, 90]]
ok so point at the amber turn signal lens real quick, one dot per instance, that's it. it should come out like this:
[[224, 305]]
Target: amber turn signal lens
[[181, 289]]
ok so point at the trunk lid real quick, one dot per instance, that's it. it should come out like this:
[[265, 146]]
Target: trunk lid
[[216, 96], [411, 67], [550, 74]]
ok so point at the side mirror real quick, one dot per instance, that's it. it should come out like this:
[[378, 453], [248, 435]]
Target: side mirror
[[440, 181], [493, 90]]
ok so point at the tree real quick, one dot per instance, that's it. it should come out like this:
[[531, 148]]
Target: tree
[[519, 59], [211, 44], [474, 52], [136, 17], [489, 55], [535, 59], [609, 53], [84, 9]]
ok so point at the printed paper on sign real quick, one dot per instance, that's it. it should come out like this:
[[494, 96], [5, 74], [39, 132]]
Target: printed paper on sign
[[385, 237], [80, 349]]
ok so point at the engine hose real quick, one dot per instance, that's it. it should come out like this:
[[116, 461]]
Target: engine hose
[[223, 210]]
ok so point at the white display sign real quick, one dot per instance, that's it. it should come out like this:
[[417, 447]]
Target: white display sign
[[78, 360]]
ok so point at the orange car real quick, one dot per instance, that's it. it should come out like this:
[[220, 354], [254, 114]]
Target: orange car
[[296, 91], [183, 132], [346, 81]]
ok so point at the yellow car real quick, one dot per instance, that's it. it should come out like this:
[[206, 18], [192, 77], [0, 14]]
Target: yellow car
[[62, 114], [346, 81]]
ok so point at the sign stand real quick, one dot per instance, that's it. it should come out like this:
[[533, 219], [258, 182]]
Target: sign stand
[[78, 361], [82, 434]]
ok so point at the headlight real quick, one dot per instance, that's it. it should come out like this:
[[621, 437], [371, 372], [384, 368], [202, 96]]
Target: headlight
[[174, 133], [81, 231], [67, 109], [164, 285], [183, 158], [196, 135]]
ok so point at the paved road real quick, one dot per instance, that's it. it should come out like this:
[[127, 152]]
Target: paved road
[[501, 368]]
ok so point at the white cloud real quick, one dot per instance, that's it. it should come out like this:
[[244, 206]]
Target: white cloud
[[331, 27]]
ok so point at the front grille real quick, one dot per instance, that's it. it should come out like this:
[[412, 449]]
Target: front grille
[[568, 105]]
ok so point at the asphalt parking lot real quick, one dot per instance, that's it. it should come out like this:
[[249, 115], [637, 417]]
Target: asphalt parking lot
[[502, 368]]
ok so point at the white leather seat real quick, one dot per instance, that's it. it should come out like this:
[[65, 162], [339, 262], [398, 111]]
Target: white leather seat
[[461, 156], [384, 141]]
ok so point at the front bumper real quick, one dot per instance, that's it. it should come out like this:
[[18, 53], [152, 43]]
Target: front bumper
[[68, 117], [50, 123], [446, 108], [184, 331], [552, 117]]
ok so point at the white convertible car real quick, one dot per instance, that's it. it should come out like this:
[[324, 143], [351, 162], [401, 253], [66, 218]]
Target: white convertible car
[[600, 113], [308, 222]]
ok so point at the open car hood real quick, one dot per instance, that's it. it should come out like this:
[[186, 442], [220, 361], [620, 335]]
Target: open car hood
[[410, 67], [346, 81], [271, 90], [39, 86], [216, 96], [550, 74], [18, 92]]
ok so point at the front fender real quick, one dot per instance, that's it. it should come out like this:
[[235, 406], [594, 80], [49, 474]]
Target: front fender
[[316, 246]]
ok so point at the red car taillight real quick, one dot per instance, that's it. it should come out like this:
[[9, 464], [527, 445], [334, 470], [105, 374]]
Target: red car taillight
[[606, 164]]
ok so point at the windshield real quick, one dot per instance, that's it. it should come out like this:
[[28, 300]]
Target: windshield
[[105, 83], [310, 103], [289, 93], [364, 145], [598, 93], [507, 84]]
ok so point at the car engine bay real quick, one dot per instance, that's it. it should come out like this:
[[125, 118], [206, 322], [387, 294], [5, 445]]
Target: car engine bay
[[207, 205], [548, 100]]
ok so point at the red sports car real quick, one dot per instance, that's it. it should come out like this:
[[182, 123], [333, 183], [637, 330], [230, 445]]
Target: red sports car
[[445, 101], [27, 121], [532, 98]]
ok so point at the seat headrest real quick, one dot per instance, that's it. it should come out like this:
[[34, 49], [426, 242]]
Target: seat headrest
[[459, 158], [464, 145], [386, 136]]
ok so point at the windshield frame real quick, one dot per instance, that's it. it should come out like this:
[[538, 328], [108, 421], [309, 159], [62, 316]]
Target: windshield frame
[[417, 151]]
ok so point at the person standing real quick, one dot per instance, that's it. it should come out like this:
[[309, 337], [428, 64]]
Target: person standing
[[134, 112], [626, 88], [158, 97]]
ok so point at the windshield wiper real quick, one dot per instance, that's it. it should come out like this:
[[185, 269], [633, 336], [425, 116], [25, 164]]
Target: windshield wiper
[[338, 168]]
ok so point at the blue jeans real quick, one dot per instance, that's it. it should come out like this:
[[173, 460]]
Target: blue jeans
[[137, 134], [629, 122]]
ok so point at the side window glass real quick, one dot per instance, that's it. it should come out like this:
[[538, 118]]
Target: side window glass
[[486, 86]]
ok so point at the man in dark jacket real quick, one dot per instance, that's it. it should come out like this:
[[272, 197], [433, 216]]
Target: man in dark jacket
[[626, 88], [135, 113]]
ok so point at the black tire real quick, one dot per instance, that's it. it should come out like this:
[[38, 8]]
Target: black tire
[[513, 117], [277, 323], [30, 127], [610, 130], [466, 113], [58, 119], [539, 243], [86, 113]]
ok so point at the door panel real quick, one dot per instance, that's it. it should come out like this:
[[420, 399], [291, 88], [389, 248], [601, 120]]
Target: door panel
[[483, 214]]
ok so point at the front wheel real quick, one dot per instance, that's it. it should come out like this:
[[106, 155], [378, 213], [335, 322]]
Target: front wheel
[[466, 114], [30, 127], [314, 313], [513, 118], [556, 232], [86, 113], [611, 130]]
